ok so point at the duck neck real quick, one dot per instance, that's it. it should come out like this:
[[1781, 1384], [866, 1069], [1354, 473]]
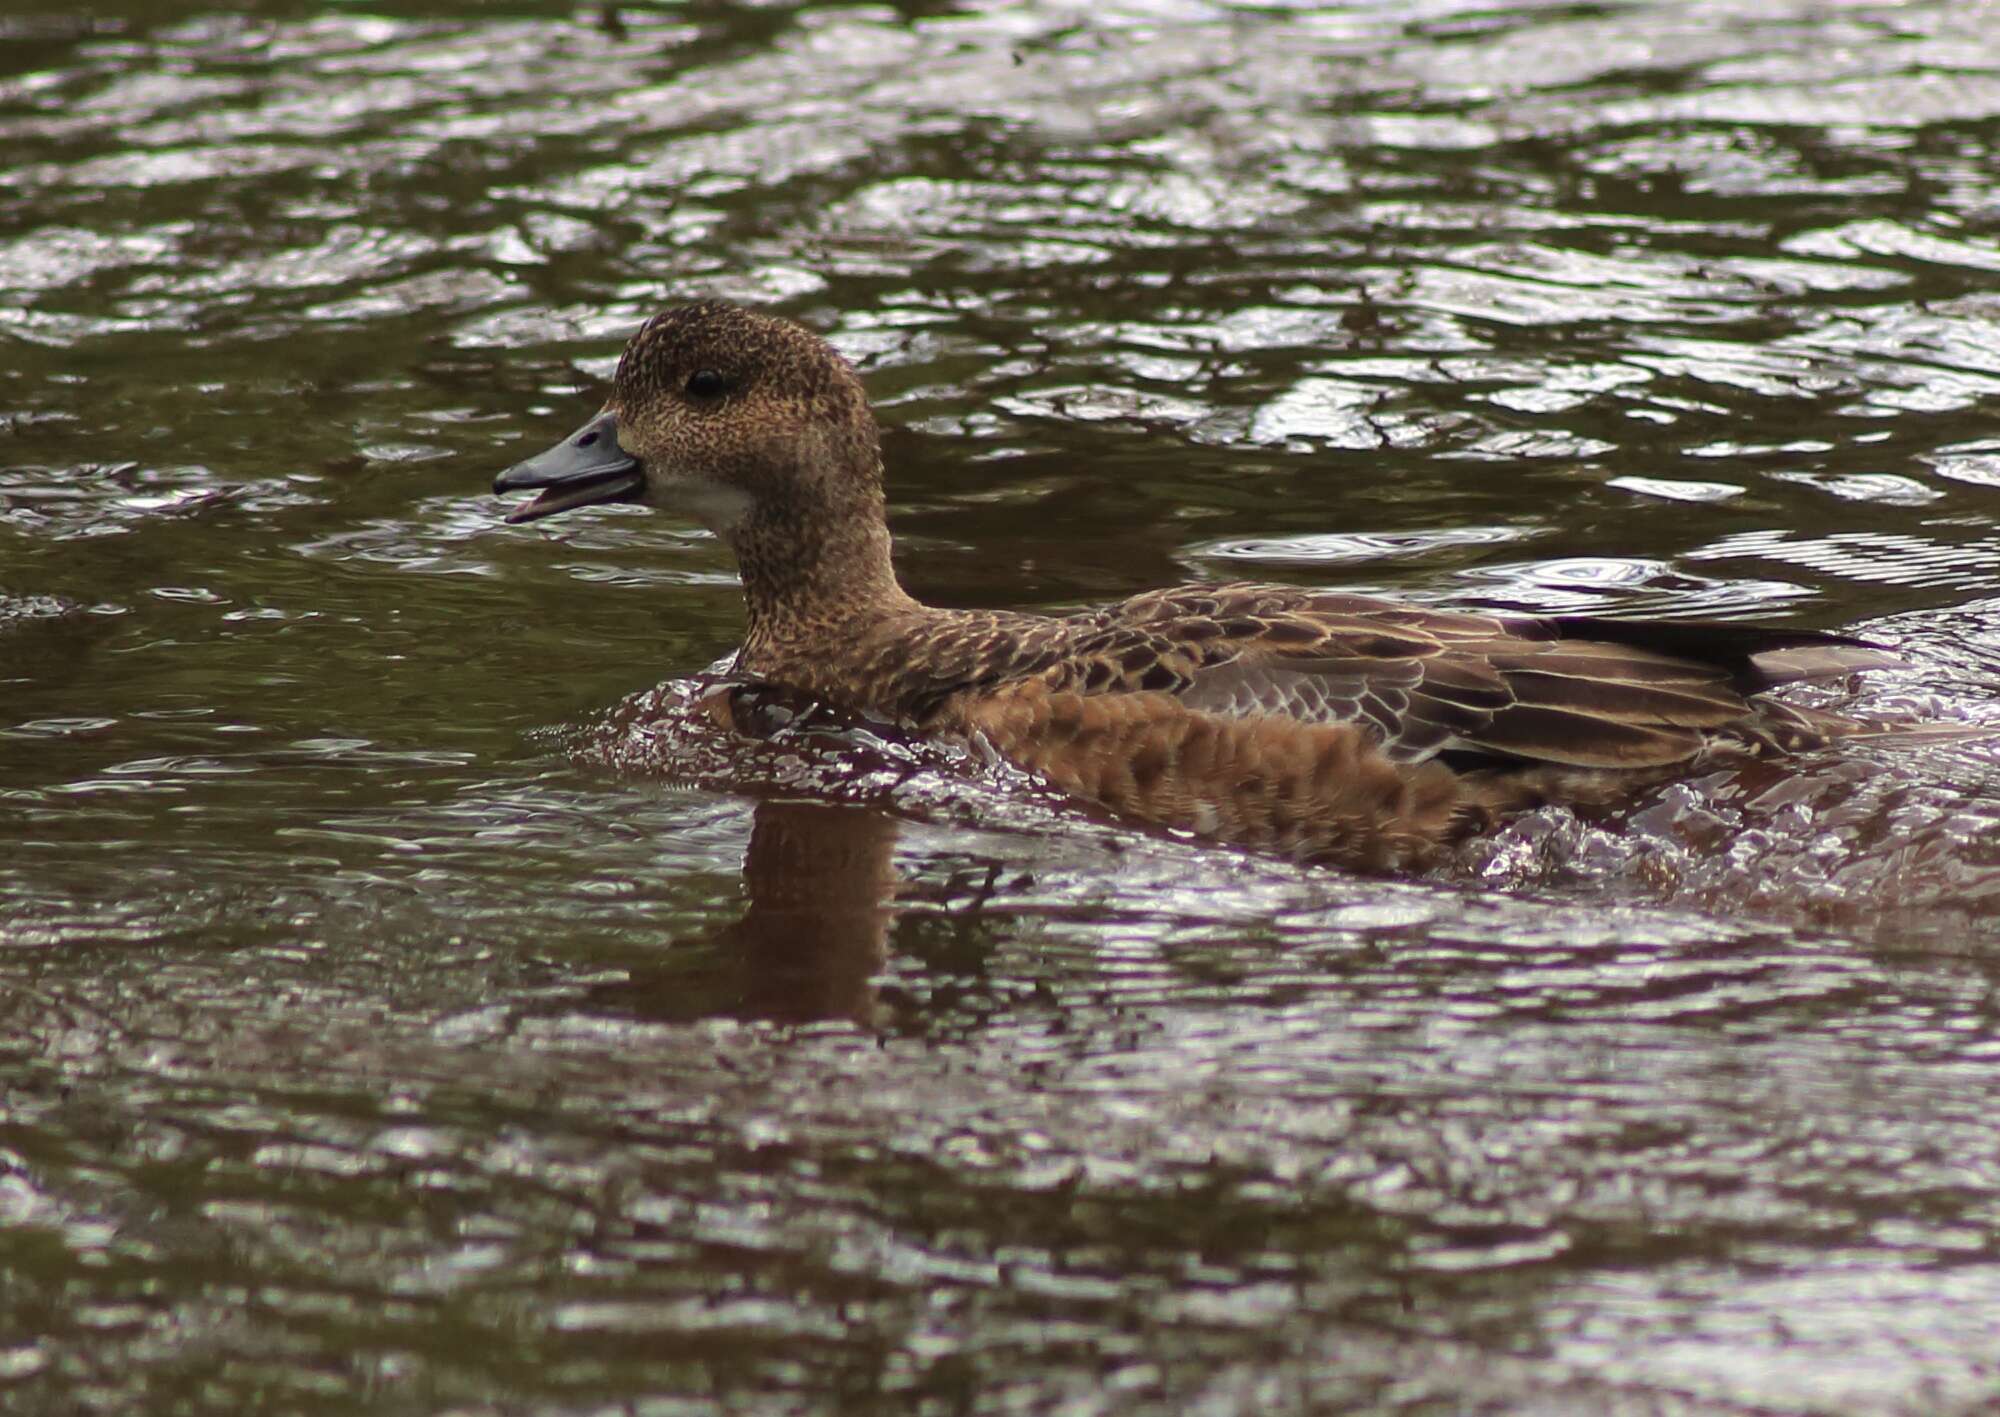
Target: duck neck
[[814, 578]]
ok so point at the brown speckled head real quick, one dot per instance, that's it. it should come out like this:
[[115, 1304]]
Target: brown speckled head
[[757, 428], [736, 414]]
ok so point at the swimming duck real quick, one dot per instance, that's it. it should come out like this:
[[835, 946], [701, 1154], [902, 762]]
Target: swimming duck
[[1330, 727]]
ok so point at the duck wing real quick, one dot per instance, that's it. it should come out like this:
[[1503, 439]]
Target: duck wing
[[1470, 687]]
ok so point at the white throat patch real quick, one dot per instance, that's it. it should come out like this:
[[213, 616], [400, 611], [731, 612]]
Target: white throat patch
[[716, 506]]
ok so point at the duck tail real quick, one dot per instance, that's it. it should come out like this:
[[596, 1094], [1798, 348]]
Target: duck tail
[[1912, 732]]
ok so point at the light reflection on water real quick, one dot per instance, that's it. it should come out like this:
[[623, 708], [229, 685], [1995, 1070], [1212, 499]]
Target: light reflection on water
[[407, 1005]]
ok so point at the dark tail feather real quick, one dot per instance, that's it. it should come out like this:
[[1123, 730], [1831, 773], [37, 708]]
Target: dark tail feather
[[1757, 657]]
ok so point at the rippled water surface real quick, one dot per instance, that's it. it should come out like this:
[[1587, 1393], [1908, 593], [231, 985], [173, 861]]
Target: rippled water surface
[[412, 1001]]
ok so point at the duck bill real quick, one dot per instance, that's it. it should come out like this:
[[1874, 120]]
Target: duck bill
[[586, 469]]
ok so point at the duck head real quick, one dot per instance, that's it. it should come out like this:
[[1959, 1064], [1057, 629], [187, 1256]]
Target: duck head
[[756, 428], [742, 421]]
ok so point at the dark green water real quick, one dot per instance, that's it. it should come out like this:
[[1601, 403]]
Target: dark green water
[[398, 1015]]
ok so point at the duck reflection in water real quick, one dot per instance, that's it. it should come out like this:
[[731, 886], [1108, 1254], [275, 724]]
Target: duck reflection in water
[[821, 880], [1324, 726]]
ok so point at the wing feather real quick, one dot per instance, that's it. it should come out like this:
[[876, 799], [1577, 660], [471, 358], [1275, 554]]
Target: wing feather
[[1569, 690]]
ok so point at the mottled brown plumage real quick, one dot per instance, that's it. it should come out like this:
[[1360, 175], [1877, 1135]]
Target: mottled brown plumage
[[1326, 726]]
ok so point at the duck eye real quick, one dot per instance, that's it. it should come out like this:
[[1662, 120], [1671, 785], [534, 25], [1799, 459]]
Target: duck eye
[[707, 383]]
